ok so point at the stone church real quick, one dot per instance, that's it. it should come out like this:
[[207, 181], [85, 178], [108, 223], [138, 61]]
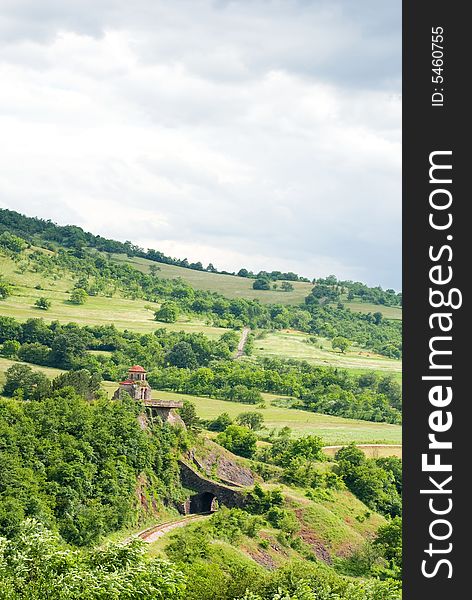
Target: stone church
[[136, 385]]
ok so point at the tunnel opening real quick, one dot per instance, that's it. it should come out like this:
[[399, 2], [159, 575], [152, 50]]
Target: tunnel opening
[[203, 503]]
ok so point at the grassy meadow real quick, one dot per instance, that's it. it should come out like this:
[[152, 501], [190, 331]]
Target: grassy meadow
[[389, 312], [294, 344], [230, 286], [134, 315]]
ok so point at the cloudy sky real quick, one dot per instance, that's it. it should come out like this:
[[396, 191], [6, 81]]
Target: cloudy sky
[[255, 133]]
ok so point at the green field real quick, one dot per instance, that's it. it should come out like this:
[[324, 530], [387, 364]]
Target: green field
[[98, 310], [6, 363], [232, 286], [293, 344], [389, 312], [227, 285], [133, 314], [333, 430]]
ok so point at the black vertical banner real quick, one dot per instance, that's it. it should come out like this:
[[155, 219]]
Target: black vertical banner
[[437, 325]]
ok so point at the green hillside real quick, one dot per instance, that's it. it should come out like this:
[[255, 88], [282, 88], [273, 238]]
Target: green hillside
[[124, 313], [263, 391], [229, 286], [232, 286]]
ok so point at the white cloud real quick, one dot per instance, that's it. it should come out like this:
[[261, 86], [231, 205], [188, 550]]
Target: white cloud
[[228, 132]]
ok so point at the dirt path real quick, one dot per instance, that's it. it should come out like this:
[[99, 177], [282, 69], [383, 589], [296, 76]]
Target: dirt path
[[242, 342], [151, 534]]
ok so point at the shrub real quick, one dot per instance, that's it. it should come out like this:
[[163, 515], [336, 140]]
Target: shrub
[[43, 303], [238, 439], [167, 313], [78, 296]]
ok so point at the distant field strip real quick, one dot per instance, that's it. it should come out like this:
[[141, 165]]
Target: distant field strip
[[227, 285], [294, 344], [371, 450], [232, 286]]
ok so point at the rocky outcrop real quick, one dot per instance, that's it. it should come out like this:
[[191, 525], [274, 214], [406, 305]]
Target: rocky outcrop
[[218, 463]]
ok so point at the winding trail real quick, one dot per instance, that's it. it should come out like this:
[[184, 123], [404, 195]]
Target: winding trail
[[151, 534], [242, 342]]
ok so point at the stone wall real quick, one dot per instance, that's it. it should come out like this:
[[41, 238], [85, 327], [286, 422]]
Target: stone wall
[[226, 495]]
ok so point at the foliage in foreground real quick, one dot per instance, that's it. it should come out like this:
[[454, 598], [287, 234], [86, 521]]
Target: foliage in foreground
[[36, 565]]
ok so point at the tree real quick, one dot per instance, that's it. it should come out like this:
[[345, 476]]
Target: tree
[[389, 541], [231, 339], [324, 293], [36, 330], [43, 303], [392, 389], [167, 313], [5, 290], [238, 439], [341, 343], [287, 286], [220, 423], [252, 420], [378, 317], [22, 381], [12, 242], [10, 329], [183, 356], [309, 447], [10, 348], [78, 296], [85, 384], [261, 283], [188, 414], [67, 347], [35, 353], [351, 454]]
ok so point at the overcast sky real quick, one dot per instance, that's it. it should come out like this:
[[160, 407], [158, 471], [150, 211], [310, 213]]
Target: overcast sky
[[255, 133]]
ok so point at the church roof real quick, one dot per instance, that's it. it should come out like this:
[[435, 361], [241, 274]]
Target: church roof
[[127, 382], [137, 369]]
